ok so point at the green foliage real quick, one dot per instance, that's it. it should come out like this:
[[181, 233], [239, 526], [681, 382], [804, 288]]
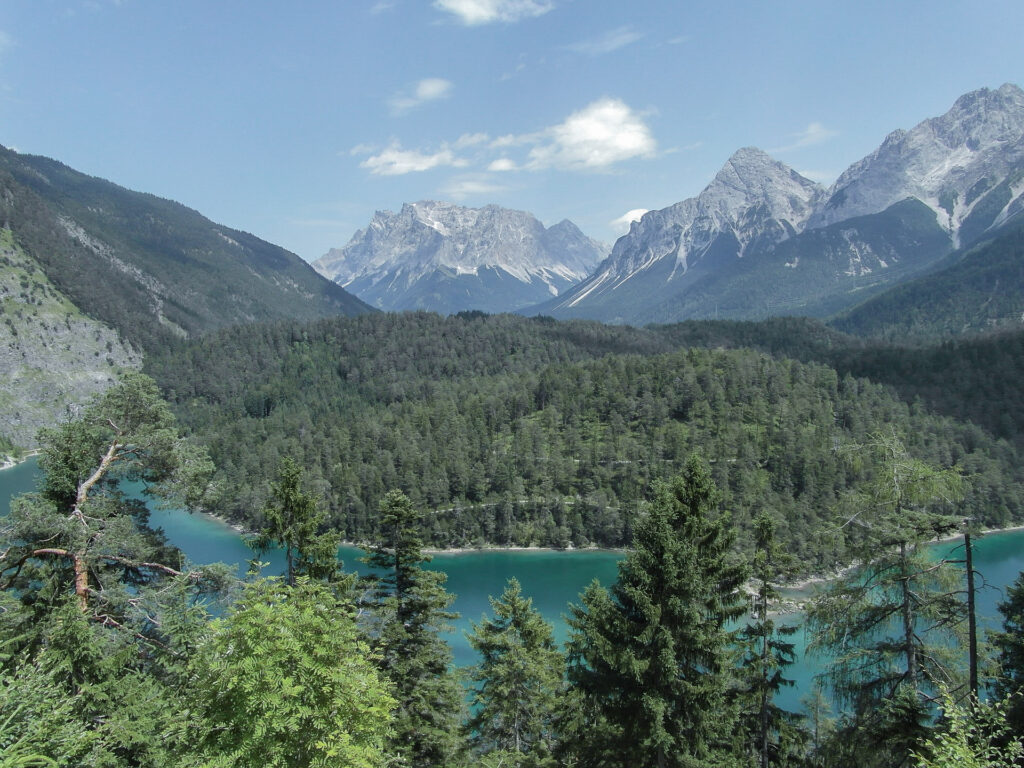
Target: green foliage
[[973, 736], [80, 528], [96, 607], [519, 679], [284, 680], [38, 726], [894, 626], [409, 608], [517, 431], [773, 734], [1010, 644], [293, 520], [650, 658]]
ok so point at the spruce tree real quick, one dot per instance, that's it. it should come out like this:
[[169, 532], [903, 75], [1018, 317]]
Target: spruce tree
[[650, 658], [518, 679], [409, 605], [292, 520]]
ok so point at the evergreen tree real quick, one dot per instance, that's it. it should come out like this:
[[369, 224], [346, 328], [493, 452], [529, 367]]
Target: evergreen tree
[[894, 626], [1010, 643], [97, 604], [292, 520], [410, 606], [650, 658], [772, 732], [518, 681]]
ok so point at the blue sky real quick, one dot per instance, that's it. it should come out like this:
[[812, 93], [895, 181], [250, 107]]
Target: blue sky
[[296, 121]]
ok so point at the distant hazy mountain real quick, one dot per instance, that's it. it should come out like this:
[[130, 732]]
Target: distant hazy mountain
[[151, 268], [762, 240], [447, 258]]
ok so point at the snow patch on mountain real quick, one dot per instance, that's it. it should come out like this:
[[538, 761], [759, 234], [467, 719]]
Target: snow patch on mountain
[[489, 258], [753, 199], [947, 162]]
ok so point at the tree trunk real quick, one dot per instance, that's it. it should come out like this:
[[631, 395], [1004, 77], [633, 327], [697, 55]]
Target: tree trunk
[[909, 648], [972, 621]]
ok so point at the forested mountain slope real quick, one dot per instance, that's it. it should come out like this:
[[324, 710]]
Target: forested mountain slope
[[976, 289], [151, 268], [526, 431]]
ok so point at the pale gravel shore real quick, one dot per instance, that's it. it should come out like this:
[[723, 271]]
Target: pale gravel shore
[[9, 462]]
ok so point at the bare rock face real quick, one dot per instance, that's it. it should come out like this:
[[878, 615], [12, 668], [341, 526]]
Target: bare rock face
[[950, 163], [447, 258], [52, 357], [753, 202], [761, 239]]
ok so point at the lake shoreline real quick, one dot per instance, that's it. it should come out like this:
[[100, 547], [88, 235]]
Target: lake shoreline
[[10, 462]]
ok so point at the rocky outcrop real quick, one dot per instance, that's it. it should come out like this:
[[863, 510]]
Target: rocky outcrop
[[52, 357]]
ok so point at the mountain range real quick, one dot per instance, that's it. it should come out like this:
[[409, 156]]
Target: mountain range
[[447, 258], [761, 240], [921, 238]]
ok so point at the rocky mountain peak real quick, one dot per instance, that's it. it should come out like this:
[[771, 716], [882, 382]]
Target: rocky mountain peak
[[752, 178], [947, 162], [392, 260]]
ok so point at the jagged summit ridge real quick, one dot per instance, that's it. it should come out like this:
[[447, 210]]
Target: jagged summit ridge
[[947, 162], [446, 257], [753, 199]]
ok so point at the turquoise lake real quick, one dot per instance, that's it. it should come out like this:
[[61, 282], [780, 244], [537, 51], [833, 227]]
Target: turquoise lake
[[552, 579]]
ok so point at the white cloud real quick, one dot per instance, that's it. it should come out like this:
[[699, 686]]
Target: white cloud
[[475, 12], [471, 140], [606, 43], [601, 134], [621, 224], [380, 7], [464, 187], [395, 161], [428, 89], [815, 133], [502, 164]]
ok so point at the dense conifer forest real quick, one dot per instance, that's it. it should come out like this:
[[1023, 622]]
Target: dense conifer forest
[[532, 432]]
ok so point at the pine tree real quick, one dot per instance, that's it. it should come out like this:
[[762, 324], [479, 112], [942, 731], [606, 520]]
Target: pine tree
[[518, 680], [771, 731], [97, 603], [410, 608], [650, 658]]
